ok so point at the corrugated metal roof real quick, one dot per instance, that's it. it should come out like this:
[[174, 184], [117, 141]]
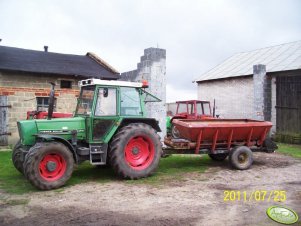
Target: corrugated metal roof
[[25, 60], [276, 58]]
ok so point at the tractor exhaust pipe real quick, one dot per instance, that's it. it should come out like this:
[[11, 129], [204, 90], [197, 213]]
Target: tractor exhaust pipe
[[51, 101]]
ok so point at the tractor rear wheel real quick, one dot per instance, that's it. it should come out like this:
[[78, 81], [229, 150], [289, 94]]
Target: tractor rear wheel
[[218, 157], [48, 165], [241, 158], [17, 157], [135, 151]]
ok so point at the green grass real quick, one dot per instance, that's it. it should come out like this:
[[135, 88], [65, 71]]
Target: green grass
[[170, 169], [290, 149]]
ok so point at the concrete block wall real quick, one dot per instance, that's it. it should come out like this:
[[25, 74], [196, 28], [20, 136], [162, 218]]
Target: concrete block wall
[[262, 93], [152, 67], [22, 90], [273, 104], [234, 96]]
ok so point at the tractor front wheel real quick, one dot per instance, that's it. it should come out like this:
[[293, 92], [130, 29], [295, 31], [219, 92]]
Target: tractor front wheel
[[48, 165], [175, 132], [17, 157], [135, 151]]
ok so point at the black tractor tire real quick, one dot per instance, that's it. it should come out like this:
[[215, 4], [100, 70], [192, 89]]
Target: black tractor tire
[[48, 165], [218, 157], [135, 151], [269, 145], [17, 157], [241, 158], [175, 132]]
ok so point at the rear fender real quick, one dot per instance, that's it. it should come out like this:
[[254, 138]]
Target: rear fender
[[177, 117], [48, 138], [149, 121]]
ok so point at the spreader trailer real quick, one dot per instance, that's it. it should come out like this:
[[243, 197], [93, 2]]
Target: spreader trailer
[[220, 138]]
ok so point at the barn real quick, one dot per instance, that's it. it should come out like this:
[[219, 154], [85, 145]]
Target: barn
[[24, 83], [263, 84]]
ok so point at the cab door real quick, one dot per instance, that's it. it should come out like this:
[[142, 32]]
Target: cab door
[[106, 114]]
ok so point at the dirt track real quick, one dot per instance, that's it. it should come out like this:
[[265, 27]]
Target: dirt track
[[198, 200]]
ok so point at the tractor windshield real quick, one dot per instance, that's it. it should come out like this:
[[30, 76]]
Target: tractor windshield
[[85, 100], [203, 108]]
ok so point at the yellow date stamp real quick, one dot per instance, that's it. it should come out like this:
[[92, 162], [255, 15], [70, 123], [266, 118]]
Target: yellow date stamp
[[255, 196]]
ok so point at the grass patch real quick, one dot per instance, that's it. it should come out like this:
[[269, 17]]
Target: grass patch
[[171, 168], [16, 202], [290, 149], [10, 179], [174, 168]]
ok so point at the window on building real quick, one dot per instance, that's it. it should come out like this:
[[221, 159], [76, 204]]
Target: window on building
[[65, 84], [43, 103]]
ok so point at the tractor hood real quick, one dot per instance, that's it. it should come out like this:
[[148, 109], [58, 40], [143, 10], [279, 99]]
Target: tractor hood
[[64, 127]]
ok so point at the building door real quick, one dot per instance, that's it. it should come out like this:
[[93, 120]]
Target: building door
[[288, 105], [3, 121]]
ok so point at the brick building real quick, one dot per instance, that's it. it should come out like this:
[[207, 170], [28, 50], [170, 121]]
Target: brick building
[[24, 83], [263, 84]]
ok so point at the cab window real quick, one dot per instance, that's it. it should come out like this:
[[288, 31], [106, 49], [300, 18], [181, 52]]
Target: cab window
[[130, 101], [106, 102]]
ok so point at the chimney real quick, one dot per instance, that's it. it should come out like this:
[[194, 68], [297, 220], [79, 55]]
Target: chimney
[[45, 48]]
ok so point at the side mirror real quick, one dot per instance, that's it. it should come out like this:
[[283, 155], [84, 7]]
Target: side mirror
[[105, 92]]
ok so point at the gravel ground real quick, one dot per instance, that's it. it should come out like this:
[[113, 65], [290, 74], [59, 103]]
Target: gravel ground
[[198, 199]]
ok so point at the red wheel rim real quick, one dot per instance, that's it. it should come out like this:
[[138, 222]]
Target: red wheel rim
[[52, 167], [139, 152]]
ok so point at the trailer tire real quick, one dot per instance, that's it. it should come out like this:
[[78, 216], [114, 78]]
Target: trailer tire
[[241, 158], [218, 157], [135, 151], [17, 157], [48, 165]]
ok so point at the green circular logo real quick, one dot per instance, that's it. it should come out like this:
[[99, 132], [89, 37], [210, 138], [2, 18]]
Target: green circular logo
[[282, 215]]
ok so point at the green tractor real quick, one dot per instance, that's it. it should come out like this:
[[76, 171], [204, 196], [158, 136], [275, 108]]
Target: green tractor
[[109, 126]]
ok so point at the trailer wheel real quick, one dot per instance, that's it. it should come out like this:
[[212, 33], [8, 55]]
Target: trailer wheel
[[241, 158], [17, 157], [48, 165], [218, 157], [135, 151]]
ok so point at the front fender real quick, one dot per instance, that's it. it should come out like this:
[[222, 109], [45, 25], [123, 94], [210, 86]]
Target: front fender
[[48, 138]]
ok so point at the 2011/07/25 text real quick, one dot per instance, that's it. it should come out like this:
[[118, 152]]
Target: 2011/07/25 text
[[257, 196]]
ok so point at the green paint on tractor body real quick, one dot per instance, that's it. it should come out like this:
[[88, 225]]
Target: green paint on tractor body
[[29, 129]]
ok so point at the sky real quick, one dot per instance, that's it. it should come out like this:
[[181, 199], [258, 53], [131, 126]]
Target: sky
[[197, 34]]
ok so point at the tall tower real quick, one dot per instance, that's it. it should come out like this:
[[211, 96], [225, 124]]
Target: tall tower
[[152, 67]]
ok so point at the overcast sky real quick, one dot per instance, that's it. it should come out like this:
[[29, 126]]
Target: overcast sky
[[197, 35]]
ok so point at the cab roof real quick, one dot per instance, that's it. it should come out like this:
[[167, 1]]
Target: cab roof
[[89, 82]]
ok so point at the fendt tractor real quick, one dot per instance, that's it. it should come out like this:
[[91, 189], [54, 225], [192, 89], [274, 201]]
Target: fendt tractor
[[109, 126]]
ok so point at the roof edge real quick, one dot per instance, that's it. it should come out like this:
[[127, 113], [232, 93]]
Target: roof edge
[[100, 61], [225, 78]]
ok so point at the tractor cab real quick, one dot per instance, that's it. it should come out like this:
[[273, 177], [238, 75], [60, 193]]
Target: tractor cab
[[193, 109], [189, 109]]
